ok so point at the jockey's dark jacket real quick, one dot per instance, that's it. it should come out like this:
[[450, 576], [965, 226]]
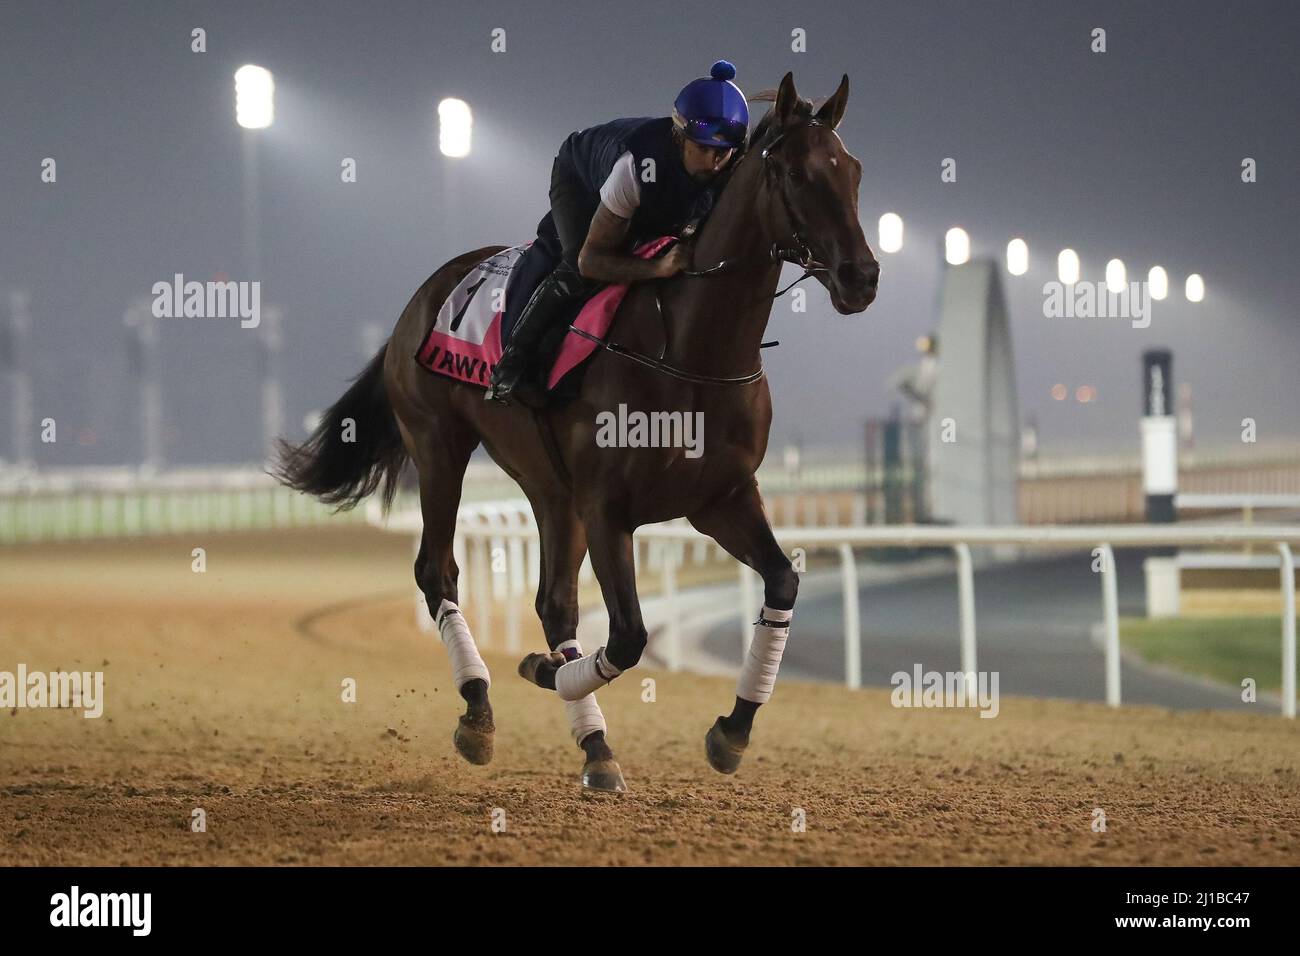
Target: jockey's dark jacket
[[668, 202]]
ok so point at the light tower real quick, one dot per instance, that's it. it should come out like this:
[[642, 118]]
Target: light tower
[[142, 342], [13, 355], [255, 111], [271, 340]]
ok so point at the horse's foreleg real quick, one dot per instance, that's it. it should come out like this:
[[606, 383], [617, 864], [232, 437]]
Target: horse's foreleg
[[740, 526], [563, 547]]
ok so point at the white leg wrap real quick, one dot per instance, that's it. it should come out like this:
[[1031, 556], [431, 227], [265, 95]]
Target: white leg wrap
[[576, 679], [584, 714], [585, 717], [466, 665], [758, 675]]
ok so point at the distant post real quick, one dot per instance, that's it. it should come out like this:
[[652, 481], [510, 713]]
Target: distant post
[[14, 359], [1159, 436], [1160, 478]]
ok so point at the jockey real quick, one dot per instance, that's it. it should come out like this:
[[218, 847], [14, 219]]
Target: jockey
[[614, 185]]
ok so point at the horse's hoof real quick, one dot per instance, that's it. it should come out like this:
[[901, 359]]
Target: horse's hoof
[[724, 756], [603, 775], [533, 663], [474, 741]]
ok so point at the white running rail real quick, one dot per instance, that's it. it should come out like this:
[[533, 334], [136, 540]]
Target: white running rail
[[487, 532]]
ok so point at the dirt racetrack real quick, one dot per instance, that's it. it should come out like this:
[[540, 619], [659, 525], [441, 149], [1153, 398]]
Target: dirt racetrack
[[223, 692]]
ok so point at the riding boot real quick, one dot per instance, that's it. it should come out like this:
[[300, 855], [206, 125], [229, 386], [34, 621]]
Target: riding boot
[[558, 291]]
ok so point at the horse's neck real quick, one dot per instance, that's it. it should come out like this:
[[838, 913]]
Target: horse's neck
[[716, 322]]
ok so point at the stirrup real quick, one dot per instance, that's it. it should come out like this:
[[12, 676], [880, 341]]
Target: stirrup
[[523, 392], [499, 387], [499, 393]]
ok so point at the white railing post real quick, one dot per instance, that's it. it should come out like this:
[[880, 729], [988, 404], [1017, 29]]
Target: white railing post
[[966, 606], [494, 518], [467, 584], [1110, 613], [852, 626], [858, 515], [482, 561], [700, 553], [534, 546], [516, 574], [516, 518], [672, 631], [810, 511], [1288, 630]]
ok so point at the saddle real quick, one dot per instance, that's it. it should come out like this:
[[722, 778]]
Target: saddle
[[466, 340]]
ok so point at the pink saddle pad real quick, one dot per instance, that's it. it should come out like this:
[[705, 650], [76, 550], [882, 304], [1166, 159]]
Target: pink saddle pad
[[595, 319], [465, 341]]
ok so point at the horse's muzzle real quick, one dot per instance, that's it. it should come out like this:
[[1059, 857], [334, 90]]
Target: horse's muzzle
[[853, 285]]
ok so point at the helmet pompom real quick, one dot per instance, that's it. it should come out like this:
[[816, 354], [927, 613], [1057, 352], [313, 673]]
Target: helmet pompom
[[722, 70]]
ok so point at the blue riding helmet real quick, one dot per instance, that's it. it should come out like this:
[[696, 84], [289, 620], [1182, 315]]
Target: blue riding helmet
[[712, 110]]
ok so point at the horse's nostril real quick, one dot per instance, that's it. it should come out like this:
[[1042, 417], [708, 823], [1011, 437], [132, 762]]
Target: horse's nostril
[[853, 276]]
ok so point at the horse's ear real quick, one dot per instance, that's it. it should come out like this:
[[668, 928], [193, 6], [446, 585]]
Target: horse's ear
[[786, 100], [832, 111]]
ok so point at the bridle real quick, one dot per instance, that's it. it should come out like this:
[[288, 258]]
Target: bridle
[[796, 251]]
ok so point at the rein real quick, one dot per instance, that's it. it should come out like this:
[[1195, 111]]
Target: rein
[[797, 252], [661, 366]]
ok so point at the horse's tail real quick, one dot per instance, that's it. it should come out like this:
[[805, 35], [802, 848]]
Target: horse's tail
[[355, 447]]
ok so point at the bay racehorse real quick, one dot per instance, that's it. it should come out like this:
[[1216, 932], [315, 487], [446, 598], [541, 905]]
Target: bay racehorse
[[688, 344]]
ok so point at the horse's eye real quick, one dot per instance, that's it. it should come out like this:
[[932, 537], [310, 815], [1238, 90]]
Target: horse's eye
[[796, 176]]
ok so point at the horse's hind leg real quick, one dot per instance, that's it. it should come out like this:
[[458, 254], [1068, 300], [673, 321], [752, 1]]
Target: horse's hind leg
[[563, 545], [441, 460], [738, 523]]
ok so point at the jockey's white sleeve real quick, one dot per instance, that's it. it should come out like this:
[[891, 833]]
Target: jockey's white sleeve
[[621, 193]]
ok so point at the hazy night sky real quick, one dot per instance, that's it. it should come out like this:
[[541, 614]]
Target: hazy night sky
[[1134, 153]]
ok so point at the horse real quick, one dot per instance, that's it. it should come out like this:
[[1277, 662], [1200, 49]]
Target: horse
[[689, 343]]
